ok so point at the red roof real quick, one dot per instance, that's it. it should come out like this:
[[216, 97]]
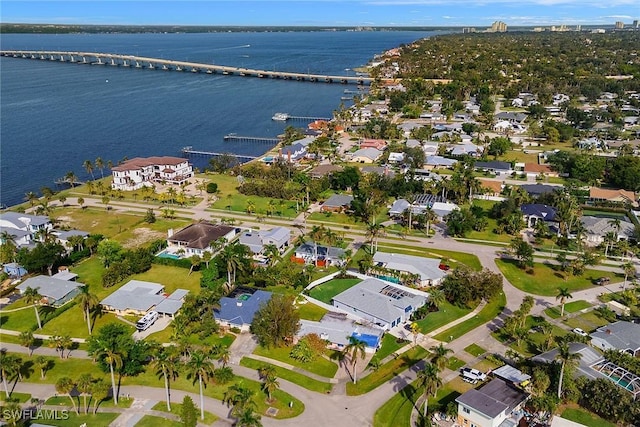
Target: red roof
[[141, 162]]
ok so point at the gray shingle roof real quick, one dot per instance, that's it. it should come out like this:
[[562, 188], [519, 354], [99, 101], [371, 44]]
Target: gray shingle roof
[[427, 268], [494, 398], [50, 287], [135, 295], [588, 357], [241, 311], [338, 201], [18, 219], [335, 330], [201, 234], [601, 226], [621, 335]]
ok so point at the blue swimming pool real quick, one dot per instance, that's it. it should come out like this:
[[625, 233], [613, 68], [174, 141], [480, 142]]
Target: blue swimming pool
[[369, 340], [389, 279], [167, 255]]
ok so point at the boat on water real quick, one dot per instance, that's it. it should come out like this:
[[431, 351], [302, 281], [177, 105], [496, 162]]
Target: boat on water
[[281, 117]]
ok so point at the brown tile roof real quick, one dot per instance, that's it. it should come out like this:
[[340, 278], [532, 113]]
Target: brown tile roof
[[201, 234], [140, 162], [323, 170], [614, 195], [495, 186], [534, 167]]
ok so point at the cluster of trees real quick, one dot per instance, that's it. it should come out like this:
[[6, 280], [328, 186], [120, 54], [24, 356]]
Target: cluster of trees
[[276, 322], [621, 172], [462, 221], [121, 263], [465, 287]]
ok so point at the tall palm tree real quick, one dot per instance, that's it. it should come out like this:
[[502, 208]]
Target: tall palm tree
[[566, 358], [224, 355], [87, 302], [195, 262], [354, 349], [373, 233], [71, 178], [43, 364], [31, 197], [9, 247], [166, 363], [99, 392], [436, 297], [32, 296], [113, 357], [429, 379], [240, 398], [269, 385], [27, 340], [88, 166], [10, 366], [629, 270], [439, 358], [65, 385], [272, 253], [100, 165], [85, 382], [248, 418], [563, 295], [200, 368]]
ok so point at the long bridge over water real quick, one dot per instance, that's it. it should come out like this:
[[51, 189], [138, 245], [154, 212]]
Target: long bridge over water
[[133, 61]]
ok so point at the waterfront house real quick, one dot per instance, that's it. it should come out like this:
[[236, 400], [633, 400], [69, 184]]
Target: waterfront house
[[337, 203], [494, 404], [293, 153], [54, 291], [380, 302], [195, 239], [257, 240], [238, 309], [139, 172], [23, 227], [426, 270]]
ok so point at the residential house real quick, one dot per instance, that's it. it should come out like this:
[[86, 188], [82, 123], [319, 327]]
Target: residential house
[[534, 170], [198, 238], [322, 256], [427, 270], [511, 117], [136, 297], [424, 175], [430, 148], [293, 152], [324, 170], [597, 194], [239, 309], [491, 187], [398, 208], [536, 190], [378, 144], [258, 240], [592, 144], [378, 170], [537, 212], [433, 162], [503, 126], [13, 269], [63, 236], [366, 155], [139, 172], [511, 375], [621, 336], [55, 291], [495, 167], [396, 157], [172, 303], [466, 150], [493, 404], [442, 209], [23, 227], [597, 228], [379, 302], [336, 329], [337, 203]]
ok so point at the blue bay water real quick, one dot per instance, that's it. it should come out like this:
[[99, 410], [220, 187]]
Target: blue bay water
[[54, 116]]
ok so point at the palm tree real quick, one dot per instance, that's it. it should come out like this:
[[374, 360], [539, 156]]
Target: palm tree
[[85, 382], [65, 385], [27, 340], [374, 231], [99, 392], [566, 358], [113, 358], [224, 355], [248, 418], [563, 295], [200, 368], [251, 206], [206, 257], [166, 363], [195, 262], [272, 253], [87, 302], [31, 197], [436, 297], [430, 380], [100, 165], [10, 365], [269, 385], [81, 202], [415, 330], [239, 397], [266, 370], [439, 358], [354, 349], [629, 270], [9, 247], [71, 178], [32, 296], [43, 364], [88, 166]]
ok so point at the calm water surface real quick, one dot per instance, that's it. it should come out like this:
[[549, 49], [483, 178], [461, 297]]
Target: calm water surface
[[54, 116]]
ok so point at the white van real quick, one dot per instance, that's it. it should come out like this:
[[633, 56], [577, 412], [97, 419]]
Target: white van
[[148, 320]]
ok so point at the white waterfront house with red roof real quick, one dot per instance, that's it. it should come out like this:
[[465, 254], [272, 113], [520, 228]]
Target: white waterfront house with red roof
[[139, 172]]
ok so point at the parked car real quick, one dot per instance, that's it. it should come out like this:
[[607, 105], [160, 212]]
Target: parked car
[[580, 332], [603, 281], [472, 375]]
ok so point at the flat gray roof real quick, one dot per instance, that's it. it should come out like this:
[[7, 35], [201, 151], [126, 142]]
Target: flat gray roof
[[427, 268], [49, 287], [135, 295]]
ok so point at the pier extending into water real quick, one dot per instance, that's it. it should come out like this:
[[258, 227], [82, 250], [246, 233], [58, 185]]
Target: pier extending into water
[[190, 152], [232, 137], [283, 117], [134, 61]]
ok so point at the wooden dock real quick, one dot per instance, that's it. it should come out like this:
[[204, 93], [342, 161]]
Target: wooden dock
[[232, 137], [190, 152]]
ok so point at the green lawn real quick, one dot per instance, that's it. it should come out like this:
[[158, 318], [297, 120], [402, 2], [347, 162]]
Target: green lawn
[[286, 374], [146, 233], [475, 350], [96, 220], [73, 420], [489, 312], [237, 202], [19, 397], [71, 323], [533, 343], [309, 311], [467, 259], [570, 307], [387, 371], [123, 402], [320, 366], [585, 417], [326, 291], [171, 277], [152, 421], [454, 363], [176, 409], [446, 314], [586, 321], [545, 280], [389, 345]]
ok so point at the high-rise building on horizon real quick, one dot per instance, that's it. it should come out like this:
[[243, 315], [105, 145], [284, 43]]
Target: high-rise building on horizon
[[497, 27], [636, 24], [619, 25]]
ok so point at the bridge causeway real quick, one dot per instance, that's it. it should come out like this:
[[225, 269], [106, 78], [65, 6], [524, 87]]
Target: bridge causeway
[[134, 61]]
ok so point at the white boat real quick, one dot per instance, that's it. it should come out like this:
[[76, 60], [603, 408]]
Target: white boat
[[281, 117]]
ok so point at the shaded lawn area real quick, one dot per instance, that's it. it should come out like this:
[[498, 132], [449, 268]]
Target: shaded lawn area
[[467, 259], [176, 409], [60, 368], [488, 313], [96, 220], [475, 350], [534, 341], [389, 345], [320, 366], [286, 374], [326, 291], [586, 321], [64, 400], [585, 417], [545, 280], [311, 311], [99, 419], [19, 397], [446, 314], [387, 371], [153, 421], [570, 307]]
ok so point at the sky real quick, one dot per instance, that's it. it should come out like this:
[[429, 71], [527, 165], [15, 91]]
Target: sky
[[477, 13]]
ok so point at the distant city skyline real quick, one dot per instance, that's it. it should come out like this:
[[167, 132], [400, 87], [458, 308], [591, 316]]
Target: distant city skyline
[[475, 13]]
